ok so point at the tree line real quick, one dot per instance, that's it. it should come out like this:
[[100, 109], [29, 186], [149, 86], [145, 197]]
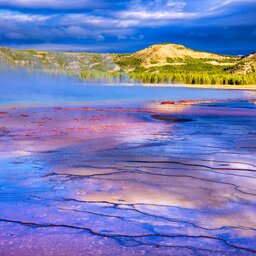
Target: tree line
[[193, 78], [169, 78]]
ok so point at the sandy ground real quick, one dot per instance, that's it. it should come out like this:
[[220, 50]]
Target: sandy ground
[[210, 86]]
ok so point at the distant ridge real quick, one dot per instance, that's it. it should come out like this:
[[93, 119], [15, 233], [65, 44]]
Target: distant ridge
[[160, 63], [251, 56], [160, 53]]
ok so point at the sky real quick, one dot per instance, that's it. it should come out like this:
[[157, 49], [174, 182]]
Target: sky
[[221, 26]]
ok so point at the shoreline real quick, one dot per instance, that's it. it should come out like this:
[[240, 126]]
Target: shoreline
[[192, 86], [207, 86]]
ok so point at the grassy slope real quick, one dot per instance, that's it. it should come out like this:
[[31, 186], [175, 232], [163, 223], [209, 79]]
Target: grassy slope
[[73, 62], [166, 63]]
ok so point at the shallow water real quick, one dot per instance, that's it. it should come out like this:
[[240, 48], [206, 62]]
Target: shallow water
[[20, 87], [105, 177]]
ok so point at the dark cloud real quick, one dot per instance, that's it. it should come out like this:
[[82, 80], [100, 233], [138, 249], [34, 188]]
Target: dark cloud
[[58, 4], [226, 26]]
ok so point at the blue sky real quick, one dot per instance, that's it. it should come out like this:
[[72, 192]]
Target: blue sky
[[223, 26]]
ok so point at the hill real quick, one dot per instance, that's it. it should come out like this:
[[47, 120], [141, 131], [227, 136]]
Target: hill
[[251, 56], [73, 62], [246, 65], [162, 63], [171, 54]]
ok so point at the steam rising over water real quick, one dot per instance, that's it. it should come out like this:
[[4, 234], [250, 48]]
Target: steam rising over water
[[23, 87]]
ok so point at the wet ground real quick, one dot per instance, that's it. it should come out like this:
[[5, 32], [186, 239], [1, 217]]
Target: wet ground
[[158, 178]]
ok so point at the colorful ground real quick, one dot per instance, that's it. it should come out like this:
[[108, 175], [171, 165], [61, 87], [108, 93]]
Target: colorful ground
[[162, 179]]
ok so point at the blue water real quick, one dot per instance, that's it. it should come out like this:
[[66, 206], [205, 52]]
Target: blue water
[[21, 87]]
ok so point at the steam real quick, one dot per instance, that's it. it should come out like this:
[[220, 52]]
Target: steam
[[22, 86], [19, 86]]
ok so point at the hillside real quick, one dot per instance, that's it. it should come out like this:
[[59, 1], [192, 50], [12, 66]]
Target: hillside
[[162, 63], [171, 54], [244, 68], [251, 56], [71, 62]]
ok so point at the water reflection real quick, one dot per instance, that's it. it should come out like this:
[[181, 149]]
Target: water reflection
[[108, 180]]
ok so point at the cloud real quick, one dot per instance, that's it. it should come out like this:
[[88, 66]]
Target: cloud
[[134, 23], [35, 27], [149, 18], [156, 12], [54, 4], [8, 16], [218, 4]]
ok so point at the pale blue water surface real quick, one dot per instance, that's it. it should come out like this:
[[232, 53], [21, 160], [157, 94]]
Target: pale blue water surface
[[21, 87]]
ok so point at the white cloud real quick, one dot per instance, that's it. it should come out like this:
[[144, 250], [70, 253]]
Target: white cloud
[[153, 13], [86, 19], [6, 16], [219, 4], [140, 16]]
